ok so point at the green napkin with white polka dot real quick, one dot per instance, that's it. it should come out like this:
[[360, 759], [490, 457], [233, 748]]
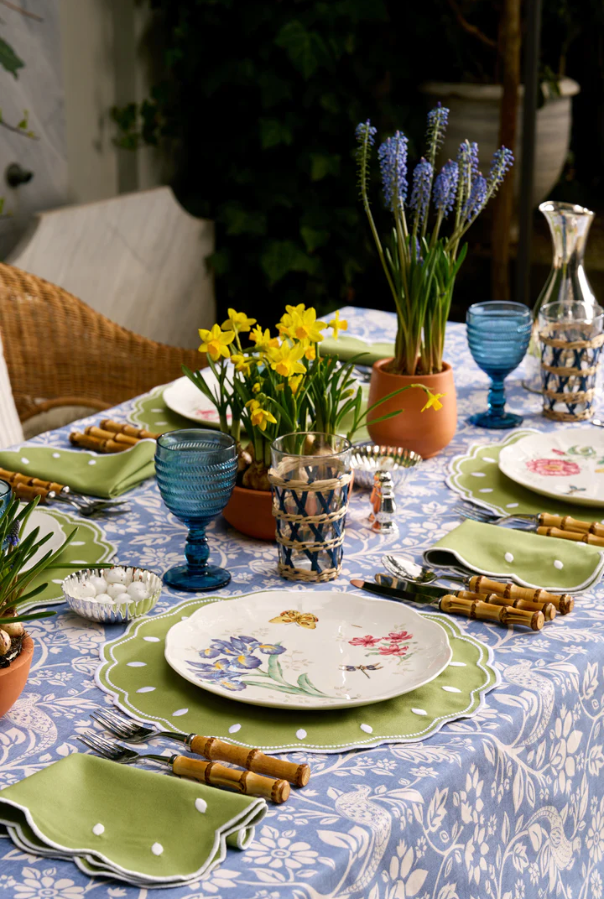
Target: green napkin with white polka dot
[[93, 474], [520, 556], [136, 825]]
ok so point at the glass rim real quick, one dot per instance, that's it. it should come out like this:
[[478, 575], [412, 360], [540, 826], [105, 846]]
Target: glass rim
[[334, 453], [227, 440], [5, 487], [596, 317], [490, 304], [561, 206]]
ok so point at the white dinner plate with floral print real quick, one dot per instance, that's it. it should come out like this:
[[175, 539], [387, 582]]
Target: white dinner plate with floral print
[[183, 397], [307, 649], [566, 465], [47, 525]]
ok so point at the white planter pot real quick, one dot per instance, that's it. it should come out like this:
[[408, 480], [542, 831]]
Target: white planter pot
[[474, 114]]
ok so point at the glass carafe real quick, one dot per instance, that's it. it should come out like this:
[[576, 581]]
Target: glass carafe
[[567, 282]]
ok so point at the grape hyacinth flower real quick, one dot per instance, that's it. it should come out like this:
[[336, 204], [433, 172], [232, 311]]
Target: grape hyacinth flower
[[474, 163], [420, 195], [465, 163], [366, 132], [503, 160], [445, 188], [437, 125], [477, 199], [393, 164]]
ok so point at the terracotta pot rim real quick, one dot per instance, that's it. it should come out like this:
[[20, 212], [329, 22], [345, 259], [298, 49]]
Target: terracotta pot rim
[[27, 650], [251, 490], [379, 366]]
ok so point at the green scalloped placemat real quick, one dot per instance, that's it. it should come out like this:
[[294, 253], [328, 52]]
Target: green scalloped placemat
[[89, 547], [476, 476], [153, 692]]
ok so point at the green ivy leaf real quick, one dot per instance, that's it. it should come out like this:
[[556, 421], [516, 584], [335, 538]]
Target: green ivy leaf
[[219, 262], [306, 49], [322, 165], [274, 132], [9, 59], [284, 256], [241, 221], [314, 237]]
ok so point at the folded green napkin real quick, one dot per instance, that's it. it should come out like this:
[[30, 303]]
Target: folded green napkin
[[346, 348], [133, 824], [85, 472], [525, 558]]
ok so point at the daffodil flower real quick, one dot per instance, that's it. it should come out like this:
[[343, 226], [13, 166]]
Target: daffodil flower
[[215, 342], [434, 402], [260, 417], [238, 322], [285, 360], [306, 326], [337, 324], [310, 351], [242, 363], [257, 387], [294, 383], [263, 340]]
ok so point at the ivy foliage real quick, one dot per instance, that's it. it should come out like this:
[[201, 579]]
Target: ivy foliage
[[259, 102]]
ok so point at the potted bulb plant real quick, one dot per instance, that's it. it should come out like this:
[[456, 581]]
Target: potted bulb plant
[[18, 572], [280, 384], [420, 265]]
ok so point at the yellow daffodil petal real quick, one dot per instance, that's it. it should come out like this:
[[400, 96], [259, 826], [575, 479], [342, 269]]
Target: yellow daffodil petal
[[434, 402]]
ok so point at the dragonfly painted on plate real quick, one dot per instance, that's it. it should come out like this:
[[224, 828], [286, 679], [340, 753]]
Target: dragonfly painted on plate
[[363, 668]]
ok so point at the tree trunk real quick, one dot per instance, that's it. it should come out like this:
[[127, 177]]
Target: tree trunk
[[509, 48]]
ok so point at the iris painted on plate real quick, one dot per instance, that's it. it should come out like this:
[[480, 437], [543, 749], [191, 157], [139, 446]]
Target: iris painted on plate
[[236, 666]]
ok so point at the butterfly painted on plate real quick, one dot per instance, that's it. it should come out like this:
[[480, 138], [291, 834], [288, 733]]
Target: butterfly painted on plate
[[290, 616], [363, 668]]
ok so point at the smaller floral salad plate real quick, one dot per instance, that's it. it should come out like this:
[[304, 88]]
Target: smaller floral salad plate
[[307, 649], [566, 465], [184, 398]]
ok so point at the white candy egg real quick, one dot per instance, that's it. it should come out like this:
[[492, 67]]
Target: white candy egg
[[137, 590], [117, 576], [85, 590], [114, 590], [103, 597], [99, 583]]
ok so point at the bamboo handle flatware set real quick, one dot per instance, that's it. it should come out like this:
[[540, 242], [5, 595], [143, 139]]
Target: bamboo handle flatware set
[[110, 436], [261, 775]]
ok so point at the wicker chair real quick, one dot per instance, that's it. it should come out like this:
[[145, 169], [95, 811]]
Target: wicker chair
[[60, 352]]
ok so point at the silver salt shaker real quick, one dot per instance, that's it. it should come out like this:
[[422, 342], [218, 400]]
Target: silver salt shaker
[[383, 504]]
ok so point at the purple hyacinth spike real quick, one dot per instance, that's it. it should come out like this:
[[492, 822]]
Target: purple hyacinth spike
[[420, 194], [445, 188], [393, 164], [474, 162], [477, 198], [366, 131], [437, 125], [503, 160]]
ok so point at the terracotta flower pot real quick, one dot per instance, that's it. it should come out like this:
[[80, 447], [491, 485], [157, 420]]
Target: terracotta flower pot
[[14, 678], [251, 512], [427, 433]]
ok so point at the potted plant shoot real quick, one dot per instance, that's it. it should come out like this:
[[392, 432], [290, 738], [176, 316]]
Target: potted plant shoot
[[279, 384], [420, 265], [17, 574]]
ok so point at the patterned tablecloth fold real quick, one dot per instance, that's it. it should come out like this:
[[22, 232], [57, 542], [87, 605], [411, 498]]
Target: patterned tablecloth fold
[[85, 472], [135, 673], [134, 825], [520, 556]]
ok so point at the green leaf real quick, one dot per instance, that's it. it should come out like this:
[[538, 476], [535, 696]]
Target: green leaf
[[314, 237], [284, 256], [274, 132], [9, 59], [306, 49], [323, 165], [242, 221]]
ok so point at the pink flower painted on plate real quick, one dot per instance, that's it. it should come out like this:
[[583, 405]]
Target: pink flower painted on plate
[[403, 635], [394, 649], [553, 467], [559, 452], [364, 641]]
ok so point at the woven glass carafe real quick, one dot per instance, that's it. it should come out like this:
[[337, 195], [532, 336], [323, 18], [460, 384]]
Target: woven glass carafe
[[567, 282]]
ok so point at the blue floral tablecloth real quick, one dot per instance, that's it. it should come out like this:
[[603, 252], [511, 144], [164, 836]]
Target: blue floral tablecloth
[[508, 805]]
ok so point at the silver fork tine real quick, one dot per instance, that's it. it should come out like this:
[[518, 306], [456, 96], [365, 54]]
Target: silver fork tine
[[96, 747], [103, 744], [112, 723]]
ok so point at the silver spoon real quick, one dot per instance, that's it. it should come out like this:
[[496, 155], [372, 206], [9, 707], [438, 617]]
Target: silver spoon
[[597, 422], [407, 570]]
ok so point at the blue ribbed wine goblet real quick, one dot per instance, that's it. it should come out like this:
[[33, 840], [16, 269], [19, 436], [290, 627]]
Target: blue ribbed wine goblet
[[196, 471], [498, 337]]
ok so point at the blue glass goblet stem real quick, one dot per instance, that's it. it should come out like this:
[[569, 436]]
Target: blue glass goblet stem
[[196, 471], [498, 337]]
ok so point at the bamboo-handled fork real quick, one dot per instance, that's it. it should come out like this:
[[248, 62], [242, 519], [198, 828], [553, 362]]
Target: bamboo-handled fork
[[210, 747], [563, 527], [210, 773]]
